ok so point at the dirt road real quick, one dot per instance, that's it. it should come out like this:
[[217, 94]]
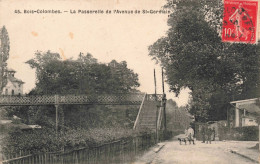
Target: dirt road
[[215, 153]]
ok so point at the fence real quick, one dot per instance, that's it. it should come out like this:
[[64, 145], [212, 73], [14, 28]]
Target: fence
[[122, 151]]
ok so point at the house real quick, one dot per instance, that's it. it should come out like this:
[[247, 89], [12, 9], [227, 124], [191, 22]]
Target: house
[[14, 86], [245, 112]]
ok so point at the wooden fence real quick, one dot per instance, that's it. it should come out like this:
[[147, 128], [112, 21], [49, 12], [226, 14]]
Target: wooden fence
[[122, 151]]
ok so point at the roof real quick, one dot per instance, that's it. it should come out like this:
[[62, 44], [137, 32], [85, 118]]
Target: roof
[[217, 122], [249, 117], [10, 70], [244, 101], [249, 105], [14, 79]]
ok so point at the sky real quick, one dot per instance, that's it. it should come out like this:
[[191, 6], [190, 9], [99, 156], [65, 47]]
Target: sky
[[123, 37]]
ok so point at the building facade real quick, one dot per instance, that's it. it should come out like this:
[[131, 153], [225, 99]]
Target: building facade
[[245, 113], [14, 86]]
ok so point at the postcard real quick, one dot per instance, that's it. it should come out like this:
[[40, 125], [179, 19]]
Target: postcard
[[120, 81]]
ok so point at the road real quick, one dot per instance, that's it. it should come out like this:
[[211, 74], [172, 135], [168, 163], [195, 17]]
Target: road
[[173, 153]]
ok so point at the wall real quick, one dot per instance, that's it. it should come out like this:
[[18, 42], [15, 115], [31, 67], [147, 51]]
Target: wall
[[13, 86]]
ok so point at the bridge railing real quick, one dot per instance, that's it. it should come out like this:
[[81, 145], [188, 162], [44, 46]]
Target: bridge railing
[[27, 100], [139, 112], [113, 99]]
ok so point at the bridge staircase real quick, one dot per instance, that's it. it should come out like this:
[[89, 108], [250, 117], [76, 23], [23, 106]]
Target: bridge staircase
[[150, 113]]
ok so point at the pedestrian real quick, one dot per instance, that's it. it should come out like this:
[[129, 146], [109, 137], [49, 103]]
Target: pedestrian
[[209, 133], [203, 133], [214, 134], [191, 135]]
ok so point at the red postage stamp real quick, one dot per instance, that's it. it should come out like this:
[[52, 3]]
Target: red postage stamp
[[240, 21]]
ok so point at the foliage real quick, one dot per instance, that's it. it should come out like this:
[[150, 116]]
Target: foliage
[[84, 75], [45, 140], [35, 141], [194, 57], [3, 113], [4, 55], [96, 136], [247, 133], [125, 79], [177, 118], [100, 116]]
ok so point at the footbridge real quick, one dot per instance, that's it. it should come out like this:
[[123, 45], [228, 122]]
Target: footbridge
[[112, 99], [150, 113]]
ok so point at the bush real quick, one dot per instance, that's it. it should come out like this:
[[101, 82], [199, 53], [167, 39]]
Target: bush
[[35, 141], [249, 133], [45, 140]]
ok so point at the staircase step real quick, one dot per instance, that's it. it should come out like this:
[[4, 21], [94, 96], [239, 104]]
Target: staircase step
[[149, 111], [148, 120], [148, 115], [152, 125]]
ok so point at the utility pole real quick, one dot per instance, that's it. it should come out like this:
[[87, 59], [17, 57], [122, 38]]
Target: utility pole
[[57, 113], [154, 82], [156, 121], [164, 102], [162, 81]]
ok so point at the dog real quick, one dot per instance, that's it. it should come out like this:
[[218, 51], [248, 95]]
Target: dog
[[182, 140]]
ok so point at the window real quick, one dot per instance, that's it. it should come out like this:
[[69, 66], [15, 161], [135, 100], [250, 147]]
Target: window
[[12, 92]]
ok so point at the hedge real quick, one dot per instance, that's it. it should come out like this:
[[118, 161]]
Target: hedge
[[46, 140], [247, 133]]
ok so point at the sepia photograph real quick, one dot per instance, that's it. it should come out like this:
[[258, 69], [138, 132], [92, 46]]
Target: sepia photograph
[[129, 81]]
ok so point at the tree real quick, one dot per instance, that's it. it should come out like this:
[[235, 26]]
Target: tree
[[85, 75], [123, 78], [4, 55], [194, 57]]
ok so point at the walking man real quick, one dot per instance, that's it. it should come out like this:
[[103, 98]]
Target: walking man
[[214, 133], [209, 133], [191, 135], [203, 131]]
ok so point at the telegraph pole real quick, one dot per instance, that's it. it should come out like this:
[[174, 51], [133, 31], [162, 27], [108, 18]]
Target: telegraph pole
[[164, 102], [57, 113], [156, 125], [154, 76]]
